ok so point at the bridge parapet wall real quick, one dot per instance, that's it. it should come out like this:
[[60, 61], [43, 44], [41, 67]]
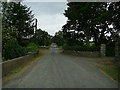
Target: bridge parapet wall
[[13, 64]]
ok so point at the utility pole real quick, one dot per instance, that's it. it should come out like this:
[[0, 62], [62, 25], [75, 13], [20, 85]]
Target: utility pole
[[36, 24]]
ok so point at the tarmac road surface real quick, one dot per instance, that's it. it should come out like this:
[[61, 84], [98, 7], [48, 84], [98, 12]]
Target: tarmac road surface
[[54, 70]]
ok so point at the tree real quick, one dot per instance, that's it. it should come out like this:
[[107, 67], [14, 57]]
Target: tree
[[16, 24], [18, 16], [78, 21], [58, 38], [42, 38], [91, 21]]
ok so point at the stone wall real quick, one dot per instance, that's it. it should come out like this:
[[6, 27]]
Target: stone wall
[[103, 50], [84, 53], [10, 65], [101, 53]]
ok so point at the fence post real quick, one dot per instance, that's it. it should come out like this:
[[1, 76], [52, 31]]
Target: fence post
[[103, 50]]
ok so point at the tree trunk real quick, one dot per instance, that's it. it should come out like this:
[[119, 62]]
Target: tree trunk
[[87, 37]]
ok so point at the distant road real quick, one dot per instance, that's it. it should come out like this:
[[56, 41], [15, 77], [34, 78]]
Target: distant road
[[54, 70]]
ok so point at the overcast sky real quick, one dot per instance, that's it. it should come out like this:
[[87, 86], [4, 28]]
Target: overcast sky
[[49, 14]]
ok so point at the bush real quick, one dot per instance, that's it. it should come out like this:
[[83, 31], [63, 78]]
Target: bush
[[110, 51], [32, 48], [13, 50]]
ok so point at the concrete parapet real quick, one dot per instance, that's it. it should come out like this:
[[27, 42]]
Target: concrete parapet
[[11, 65]]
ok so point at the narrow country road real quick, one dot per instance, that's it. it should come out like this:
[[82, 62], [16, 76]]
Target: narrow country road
[[54, 70]]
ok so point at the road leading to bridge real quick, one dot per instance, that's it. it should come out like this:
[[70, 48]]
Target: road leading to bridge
[[54, 70]]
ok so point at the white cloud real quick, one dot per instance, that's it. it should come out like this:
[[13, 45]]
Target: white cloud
[[49, 14], [51, 23]]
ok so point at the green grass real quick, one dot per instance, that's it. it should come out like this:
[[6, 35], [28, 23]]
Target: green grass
[[110, 68], [66, 54], [14, 71], [112, 71]]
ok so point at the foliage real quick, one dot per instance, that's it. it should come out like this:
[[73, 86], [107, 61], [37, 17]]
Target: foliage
[[18, 31], [88, 21], [110, 50], [12, 49], [32, 48], [20, 17], [58, 38], [42, 38], [94, 21], [17, 24]]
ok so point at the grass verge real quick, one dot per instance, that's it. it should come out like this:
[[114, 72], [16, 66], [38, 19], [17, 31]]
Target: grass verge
[[69, 54], [109, 68], [112, 71], [65, 54]]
